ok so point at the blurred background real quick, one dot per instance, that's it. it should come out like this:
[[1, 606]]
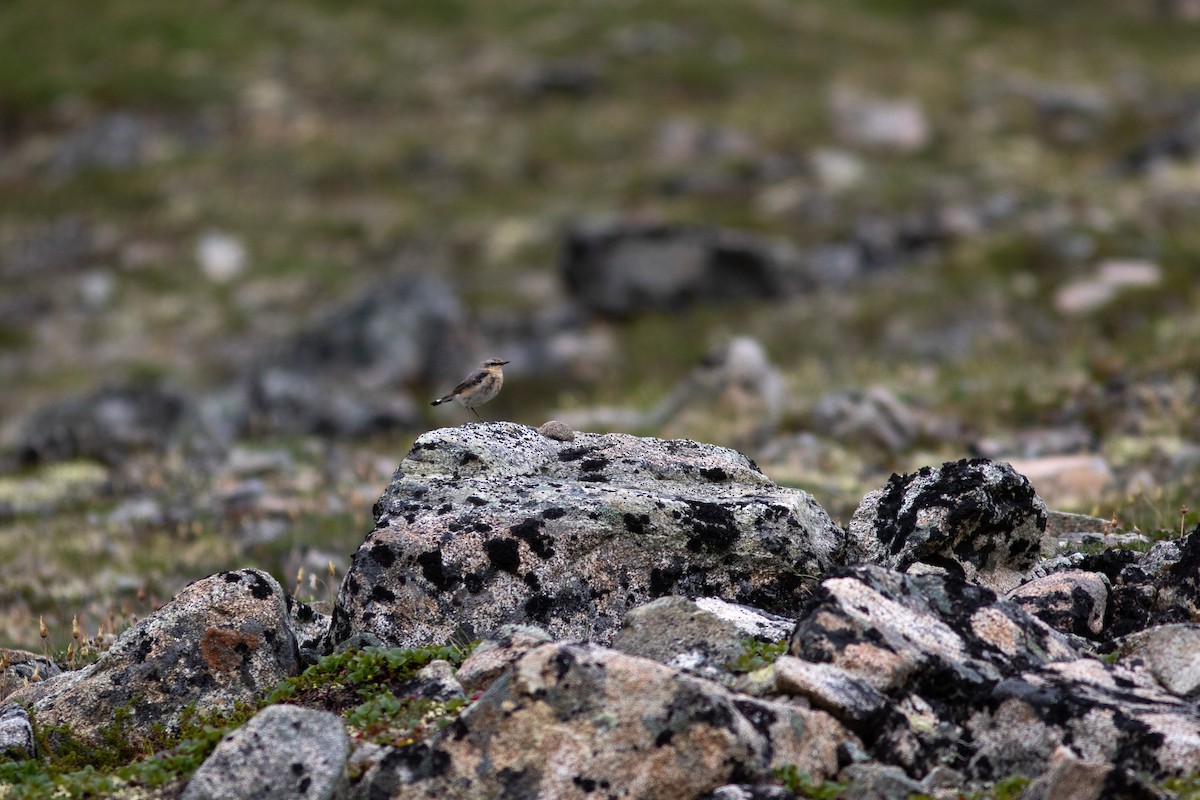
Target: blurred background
[[244, 243]]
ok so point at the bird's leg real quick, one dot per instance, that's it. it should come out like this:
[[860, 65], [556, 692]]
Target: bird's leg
[[476, 413]]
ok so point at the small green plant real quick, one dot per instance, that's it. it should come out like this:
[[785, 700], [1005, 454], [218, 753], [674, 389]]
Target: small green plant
[[1185, 788], [802, 784], [756, 655]]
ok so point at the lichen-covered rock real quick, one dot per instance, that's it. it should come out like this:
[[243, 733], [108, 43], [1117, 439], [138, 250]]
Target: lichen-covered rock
[[283, 753], [1170, 653], [493, 656], [1071, 601], [1160, 587], [979, 518], [1110, 716], [985, 687], [16, 733], [851, 700], [488, 525], [20, 667], [221, 640], [677, 632], [578, 721], [887, 628]]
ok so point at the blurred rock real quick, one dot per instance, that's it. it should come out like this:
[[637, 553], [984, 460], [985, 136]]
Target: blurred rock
[[221, 257], [16, 734], [96, 288], [19, 668], [836, 170], [1109, 281], [64, 245], [116, 141], [109, 426], [680, 141], [576, 78], [1037, 443], [1068, 481], [622, 269], [735, 395], [874, 417], [898, 126], [1178, 142]]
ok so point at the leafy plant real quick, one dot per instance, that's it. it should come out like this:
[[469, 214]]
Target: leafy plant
[[756, 655], [802, 784]]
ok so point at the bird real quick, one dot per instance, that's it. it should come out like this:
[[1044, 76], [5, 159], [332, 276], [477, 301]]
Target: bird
[[480, 386]]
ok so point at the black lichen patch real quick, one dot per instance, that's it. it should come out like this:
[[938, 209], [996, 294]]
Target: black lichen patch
[[715, 474], [530, 532], [435, 571], [573, 453], [467, 458], [593, 464], [714, 528], [477, 501], [504, 554], [382, 554], [382, 594], [554, 512], [636, 523], [259, 588]]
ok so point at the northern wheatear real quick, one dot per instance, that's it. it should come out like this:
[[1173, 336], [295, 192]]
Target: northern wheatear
[[480, 386]]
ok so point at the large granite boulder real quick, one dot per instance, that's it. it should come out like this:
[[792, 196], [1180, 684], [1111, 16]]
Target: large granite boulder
[[487, 525], [222, 640]]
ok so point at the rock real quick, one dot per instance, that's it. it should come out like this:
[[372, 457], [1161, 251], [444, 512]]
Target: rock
[[741, 791], [735, 394], [979, 518], [886, 628], [310, 628], [221, 257], [872, 781], [20, 667], [985, 688], [1110, 280], [1071, 601], [64, 245], [1170, 653], [558, 431], [1149, 589], [751, 623], [1068, 481], [493, 656], [897, 126], [624, 269], [117, 141], [836, 170], [16, 733], [222, 640], [1112, 717], [874, 417], [677, 632], [1069, 777], [494, 524], [345, 373], [284, 752], [109, 426], [570, 721], [281, 401], [851, 700], [436, 681]]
